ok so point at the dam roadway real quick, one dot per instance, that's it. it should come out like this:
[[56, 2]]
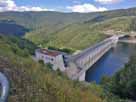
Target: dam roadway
[[81, 62]]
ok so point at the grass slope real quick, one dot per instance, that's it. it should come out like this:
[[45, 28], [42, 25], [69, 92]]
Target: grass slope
[[67, 37], [34, 82]]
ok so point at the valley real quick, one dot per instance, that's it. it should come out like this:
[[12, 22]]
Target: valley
[[21, 33]]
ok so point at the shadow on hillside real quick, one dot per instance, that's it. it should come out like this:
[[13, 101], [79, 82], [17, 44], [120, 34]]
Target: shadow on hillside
[[11, 28], [98, 18]]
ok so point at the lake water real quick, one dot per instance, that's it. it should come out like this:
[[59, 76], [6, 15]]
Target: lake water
[[111, 62]]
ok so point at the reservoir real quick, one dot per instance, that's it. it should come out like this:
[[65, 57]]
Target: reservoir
[[111, 62]]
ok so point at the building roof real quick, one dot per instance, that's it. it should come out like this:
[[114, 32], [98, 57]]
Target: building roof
[[50, 52]]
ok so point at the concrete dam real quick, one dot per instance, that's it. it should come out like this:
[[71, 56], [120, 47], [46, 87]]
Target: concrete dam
[[80, 63]]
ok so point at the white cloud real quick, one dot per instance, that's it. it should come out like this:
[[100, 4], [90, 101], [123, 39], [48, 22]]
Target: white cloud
[[24, 8], [9, 5], [84, 8], [108, 1]]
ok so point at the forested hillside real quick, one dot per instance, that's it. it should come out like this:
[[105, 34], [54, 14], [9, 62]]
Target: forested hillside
[[86, 33], [66, 29]]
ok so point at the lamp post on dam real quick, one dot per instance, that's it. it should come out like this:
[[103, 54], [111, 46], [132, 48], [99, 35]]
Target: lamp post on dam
[[81, 62]]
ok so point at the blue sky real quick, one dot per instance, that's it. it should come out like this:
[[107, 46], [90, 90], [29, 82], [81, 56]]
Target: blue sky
[[65, 5]]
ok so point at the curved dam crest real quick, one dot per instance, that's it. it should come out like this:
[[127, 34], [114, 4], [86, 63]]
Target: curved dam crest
[[86, 66], [113, 61], [81, 62]]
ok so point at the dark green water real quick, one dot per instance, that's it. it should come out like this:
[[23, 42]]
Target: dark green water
[[111, 62]]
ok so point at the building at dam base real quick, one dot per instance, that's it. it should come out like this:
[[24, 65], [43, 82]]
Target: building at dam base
[[55, 58]]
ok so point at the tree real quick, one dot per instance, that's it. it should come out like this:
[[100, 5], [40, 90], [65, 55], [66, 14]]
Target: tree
[[123, 83], [131, 88], [133, 25]]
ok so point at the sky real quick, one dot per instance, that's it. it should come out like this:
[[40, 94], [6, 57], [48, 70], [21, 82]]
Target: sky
[[82, 6]]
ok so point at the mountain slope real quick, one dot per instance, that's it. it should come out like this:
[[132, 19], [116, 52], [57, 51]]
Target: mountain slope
[[66, 29], [67, 37], [85, 32]]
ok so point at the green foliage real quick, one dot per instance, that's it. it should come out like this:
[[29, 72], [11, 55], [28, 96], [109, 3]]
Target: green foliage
[[49, 65], [121, 24], [133, 25], [131, 88], [123, 83], [41, 62], [66, 50], [19, 46]]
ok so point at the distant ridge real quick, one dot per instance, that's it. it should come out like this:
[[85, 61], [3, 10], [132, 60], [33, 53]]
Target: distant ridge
[[60, 29]]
